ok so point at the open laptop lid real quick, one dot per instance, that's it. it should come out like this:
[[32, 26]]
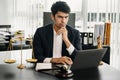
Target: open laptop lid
[[88, 58]]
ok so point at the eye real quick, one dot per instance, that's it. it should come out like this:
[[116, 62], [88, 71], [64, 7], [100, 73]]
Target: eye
[[60, 17], [66, 17]]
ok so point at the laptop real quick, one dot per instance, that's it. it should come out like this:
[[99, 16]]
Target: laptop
[[88, 58]]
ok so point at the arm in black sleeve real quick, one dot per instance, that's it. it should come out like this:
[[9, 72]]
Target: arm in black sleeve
[[37, 46], [77, 44]]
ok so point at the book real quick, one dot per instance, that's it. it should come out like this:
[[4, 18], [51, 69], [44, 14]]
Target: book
[[43, 66]]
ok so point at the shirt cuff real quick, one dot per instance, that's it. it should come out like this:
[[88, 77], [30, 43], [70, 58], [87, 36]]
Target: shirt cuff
[[47, 60], [70, 49]]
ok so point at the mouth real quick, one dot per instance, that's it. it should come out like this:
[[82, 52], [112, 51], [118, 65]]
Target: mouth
[[62, 25]]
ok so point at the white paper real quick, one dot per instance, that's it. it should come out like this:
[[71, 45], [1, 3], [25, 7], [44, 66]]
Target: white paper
[[43, 66], [90, 40], [85, 40]]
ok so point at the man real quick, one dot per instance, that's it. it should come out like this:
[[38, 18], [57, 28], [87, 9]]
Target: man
[[57, 42]]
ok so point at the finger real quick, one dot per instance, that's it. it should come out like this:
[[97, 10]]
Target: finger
[[69, 60], [61, 29], [59, 32], [63, 62]]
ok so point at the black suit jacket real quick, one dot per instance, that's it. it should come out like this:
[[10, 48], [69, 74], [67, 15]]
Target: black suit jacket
[[43, 42]]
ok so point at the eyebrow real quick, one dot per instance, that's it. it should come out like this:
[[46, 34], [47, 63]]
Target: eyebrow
[[62, 16]]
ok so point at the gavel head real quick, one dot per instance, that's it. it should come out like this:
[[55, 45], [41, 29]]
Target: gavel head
[[64, 68]]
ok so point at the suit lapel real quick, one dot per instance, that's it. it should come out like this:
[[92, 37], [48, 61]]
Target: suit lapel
[[63, 48], [50, 39]]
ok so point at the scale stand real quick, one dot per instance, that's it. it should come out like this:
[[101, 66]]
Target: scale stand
[[21, 66]]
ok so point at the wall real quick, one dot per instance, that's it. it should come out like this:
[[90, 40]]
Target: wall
[[22, 15], [3, 12]]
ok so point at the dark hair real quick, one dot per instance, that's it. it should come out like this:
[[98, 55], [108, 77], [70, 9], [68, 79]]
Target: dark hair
[[60, 6]]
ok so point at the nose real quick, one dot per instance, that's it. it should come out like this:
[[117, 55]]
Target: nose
[[63, 20]]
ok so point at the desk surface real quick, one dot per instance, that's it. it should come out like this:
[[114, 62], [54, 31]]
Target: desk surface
[[103, 72]]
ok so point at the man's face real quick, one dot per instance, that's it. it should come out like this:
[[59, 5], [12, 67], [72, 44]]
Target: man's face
[[60, 19]]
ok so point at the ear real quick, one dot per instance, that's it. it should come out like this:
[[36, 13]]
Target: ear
[[52, 17]]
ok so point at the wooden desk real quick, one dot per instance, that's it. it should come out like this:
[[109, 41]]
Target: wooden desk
[[104, 72]]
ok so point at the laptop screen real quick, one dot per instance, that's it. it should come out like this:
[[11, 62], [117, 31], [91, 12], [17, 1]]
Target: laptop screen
[[88, 58]]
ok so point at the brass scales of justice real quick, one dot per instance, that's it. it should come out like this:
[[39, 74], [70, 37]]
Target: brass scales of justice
[[21, 65]]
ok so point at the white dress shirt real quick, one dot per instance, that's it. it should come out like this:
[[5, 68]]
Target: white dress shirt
[[57, 48]]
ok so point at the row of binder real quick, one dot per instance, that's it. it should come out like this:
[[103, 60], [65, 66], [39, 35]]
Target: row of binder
[[89, 38], [86, 38]]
